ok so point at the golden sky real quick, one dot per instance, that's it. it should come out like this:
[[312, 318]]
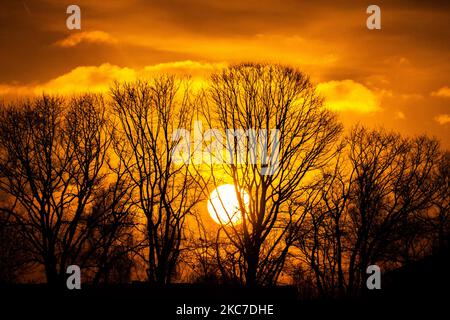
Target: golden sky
[[397, 77]]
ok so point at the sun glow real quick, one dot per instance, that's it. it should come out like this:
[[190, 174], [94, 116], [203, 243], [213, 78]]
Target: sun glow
[[223, 204]]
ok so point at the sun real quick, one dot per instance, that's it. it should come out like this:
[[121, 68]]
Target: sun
[[223, 204]]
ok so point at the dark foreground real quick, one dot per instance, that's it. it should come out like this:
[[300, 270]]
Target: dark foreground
[[143, 302], [421, 290]]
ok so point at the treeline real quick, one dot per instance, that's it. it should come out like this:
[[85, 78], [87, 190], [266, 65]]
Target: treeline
[[95, 181]]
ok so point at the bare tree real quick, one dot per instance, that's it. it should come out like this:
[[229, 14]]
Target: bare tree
[[165, 192], [53, 155], [276, 107], [111, 240], [441, 221], [370, 208], [199, 256], [105, 188], [14, 260]]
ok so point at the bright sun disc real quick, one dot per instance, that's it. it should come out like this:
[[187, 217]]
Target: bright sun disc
[[223, 204]]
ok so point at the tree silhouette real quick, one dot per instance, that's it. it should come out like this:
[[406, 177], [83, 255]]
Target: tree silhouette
[[370, 202], [252, 97], [165, 192], [440, 222], [97, 181], [14, 260], [52, 160]]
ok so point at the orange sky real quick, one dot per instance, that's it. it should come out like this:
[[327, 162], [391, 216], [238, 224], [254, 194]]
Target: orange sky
[[398, 77]]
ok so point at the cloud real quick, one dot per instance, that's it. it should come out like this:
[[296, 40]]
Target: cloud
[[99, 78], [80, 79], [261, 47], [410, 96], [397, 60], [187, 67], [442, 119], [348, 95], [443, 92], [400, 115], [87, 79], [88, 37]]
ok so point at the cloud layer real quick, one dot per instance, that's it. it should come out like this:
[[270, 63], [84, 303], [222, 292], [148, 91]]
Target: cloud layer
[[397, 77], [348, 95], [86, 37]]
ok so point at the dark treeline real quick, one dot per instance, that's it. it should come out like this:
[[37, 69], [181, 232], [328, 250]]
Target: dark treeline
[[93, 180]]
